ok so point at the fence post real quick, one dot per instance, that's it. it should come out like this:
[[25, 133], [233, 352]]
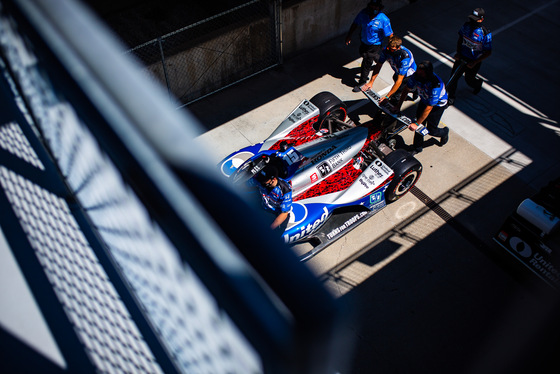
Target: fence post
[[279, 31], [164, 67]]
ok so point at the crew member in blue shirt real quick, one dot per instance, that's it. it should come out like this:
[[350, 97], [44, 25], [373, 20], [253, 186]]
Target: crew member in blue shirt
[[433, 102], [276, 196], [402, 62], [375, 27], [473, 46]]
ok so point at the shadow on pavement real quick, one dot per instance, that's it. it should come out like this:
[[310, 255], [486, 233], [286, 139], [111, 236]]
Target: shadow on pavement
[[451, 301]]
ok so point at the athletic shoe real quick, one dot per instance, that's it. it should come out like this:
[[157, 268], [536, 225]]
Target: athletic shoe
[[477, 89], [443, 141]]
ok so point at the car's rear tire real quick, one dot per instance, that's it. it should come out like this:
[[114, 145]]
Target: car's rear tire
[[407, 171], [330, 107]]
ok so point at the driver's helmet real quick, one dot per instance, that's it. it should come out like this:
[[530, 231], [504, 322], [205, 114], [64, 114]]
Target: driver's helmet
[[269, 171]]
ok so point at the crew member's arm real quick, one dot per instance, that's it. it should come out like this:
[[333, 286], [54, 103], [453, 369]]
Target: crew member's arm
[[394, 89], [458, 48], [279, 219], [387, 29], [350, 32], [425, 113], [483, 56], [285, 208]]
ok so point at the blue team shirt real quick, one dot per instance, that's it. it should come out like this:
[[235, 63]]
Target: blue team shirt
[[401, 61], [278, 199], [373, 30], [475, 41], [429, 93]]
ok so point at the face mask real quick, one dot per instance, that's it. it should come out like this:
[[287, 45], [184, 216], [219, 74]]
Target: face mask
[[373, 12], [473, 23]]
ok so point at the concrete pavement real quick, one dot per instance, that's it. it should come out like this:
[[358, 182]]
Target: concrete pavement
[[428, 289]]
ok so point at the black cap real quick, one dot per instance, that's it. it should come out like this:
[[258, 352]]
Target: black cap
[[427, 67], [266, 173], [477, 14]]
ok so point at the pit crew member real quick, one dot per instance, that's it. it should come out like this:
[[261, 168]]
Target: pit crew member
[[433, 102], [473, 46], [402, 62], [276, 196], [375, 27]]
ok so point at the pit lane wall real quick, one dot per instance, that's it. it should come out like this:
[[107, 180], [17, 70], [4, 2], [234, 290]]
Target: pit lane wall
[[211, 61], [309, 23]]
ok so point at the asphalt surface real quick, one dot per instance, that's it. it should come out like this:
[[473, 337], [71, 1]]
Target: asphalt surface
[[427, 289]]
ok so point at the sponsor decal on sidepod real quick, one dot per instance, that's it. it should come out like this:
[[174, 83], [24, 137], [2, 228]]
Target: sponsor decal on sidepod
[[295, 232]]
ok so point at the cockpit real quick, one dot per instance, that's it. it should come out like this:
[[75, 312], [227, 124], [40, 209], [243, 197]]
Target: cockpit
[[285, 161]]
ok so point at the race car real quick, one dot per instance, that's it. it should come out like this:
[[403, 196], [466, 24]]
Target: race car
[[340, 173]]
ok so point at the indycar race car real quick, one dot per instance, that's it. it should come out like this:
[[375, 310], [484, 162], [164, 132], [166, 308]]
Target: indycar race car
[[340, 173]]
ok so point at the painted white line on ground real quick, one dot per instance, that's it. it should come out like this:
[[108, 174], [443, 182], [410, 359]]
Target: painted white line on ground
[[495, 90], [469, 129], [442, 58], [447, 59], [513, 23]]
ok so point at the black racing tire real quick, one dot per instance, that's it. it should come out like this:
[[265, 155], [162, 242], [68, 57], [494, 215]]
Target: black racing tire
[[329, 106], [407, 171]]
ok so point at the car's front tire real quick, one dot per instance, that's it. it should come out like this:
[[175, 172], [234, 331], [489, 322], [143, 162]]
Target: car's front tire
[[407, 171]]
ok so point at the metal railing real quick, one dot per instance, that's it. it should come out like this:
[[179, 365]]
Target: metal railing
[[116, 218]]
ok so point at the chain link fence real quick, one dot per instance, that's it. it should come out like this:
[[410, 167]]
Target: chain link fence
[[214, 53]]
